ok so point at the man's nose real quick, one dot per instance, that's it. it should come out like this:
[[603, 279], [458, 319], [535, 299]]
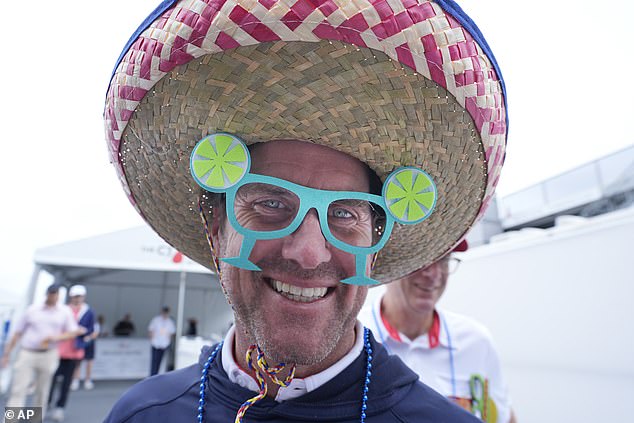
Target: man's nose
[[307, 245]]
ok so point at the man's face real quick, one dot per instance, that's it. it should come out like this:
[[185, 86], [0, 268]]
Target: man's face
[[419, 291], [77, 299], [296, 309], [52, 297]]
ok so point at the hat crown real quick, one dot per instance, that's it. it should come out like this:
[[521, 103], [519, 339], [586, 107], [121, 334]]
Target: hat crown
[[436, 39]]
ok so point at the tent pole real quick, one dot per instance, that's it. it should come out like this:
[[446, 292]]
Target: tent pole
[[182, 285], [30, 293]]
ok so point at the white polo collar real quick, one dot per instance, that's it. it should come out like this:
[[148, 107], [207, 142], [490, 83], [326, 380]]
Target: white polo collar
[[421, 341]]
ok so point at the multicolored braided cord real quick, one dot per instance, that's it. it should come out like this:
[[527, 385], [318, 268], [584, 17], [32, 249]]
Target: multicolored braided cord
[[271, 372]]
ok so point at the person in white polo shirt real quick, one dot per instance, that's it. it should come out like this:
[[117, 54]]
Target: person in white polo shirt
[[161, 329], [452, 353]]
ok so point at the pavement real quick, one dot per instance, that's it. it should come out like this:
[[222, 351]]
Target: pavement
[[89, 406]]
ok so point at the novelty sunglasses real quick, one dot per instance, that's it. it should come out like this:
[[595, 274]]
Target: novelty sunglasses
[[261, 207]]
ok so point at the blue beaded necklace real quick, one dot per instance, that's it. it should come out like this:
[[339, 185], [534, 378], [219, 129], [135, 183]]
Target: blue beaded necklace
[[366, 382]]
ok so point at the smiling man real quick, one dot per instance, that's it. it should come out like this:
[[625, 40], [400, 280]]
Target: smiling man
[[300, 149], [452, 353]]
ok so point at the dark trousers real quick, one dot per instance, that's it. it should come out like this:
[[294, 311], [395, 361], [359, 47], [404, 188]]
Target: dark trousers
[[157, 356], [65, 370]]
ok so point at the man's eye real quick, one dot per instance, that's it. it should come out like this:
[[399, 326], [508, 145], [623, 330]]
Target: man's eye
[[273, 204], [341, 214]]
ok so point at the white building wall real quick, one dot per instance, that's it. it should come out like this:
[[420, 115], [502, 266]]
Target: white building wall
[[560, 305]]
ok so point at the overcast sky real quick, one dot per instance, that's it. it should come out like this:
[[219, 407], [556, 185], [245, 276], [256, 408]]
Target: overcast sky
[[567, 66]]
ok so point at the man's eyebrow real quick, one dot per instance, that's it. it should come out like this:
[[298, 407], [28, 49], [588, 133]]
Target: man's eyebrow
[[258, 188], [351, 202]]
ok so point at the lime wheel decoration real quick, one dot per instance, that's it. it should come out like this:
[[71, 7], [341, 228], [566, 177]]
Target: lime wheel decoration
[[410, 195], [219, 161]]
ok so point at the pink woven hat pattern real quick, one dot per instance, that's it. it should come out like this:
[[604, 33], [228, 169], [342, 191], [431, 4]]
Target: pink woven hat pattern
[[391, 82]]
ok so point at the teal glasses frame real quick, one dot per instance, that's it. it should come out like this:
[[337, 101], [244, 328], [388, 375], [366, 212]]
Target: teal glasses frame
[[309, 198], [221, 162]]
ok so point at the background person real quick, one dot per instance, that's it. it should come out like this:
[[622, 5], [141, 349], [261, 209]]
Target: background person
[[90, 340], [71, 351], [103, 327], [450, 352], [124, 327], [161, 330], [192, 327], [38, 331]]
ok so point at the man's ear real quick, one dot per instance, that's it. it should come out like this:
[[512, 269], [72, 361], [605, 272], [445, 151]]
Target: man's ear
[[217, 224]]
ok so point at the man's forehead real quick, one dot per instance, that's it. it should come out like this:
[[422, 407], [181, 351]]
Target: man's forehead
[[309, 164]]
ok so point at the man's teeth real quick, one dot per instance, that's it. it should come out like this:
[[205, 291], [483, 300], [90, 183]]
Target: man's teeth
[[297, 293]]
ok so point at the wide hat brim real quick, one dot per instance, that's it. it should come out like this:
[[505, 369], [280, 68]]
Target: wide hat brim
[[197, 69]]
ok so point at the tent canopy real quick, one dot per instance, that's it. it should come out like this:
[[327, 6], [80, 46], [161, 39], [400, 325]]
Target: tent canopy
[[134, 249], [134, 271]]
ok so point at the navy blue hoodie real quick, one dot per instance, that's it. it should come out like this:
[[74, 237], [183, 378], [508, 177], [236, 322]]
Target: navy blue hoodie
[[395, 395]]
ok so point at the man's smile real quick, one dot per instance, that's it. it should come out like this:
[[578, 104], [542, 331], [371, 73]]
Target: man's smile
[[297, 293]]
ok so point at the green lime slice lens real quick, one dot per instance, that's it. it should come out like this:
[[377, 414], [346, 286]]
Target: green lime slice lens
[[410, 195], [219, 161]]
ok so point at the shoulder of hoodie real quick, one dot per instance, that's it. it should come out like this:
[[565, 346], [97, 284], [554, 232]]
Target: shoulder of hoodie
[[87, 314], [143, 400]]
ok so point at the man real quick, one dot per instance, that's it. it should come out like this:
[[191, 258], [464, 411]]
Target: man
[[38, 331], [161, 330], [451, 353], [89, 341], [71, 351], [124, 327], [268, 141]]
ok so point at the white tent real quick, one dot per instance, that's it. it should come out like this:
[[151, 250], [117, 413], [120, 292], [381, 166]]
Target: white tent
[[134, 271]]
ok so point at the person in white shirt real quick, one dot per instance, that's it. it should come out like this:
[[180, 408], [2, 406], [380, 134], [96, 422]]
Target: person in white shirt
[[451, 353], [37, 333], [161, 329]]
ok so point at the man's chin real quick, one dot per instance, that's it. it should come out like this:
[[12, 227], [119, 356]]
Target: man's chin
[[299, 353]]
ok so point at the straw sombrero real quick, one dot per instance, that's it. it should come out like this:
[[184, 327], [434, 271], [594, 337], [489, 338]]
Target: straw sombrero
[[392, 83]]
